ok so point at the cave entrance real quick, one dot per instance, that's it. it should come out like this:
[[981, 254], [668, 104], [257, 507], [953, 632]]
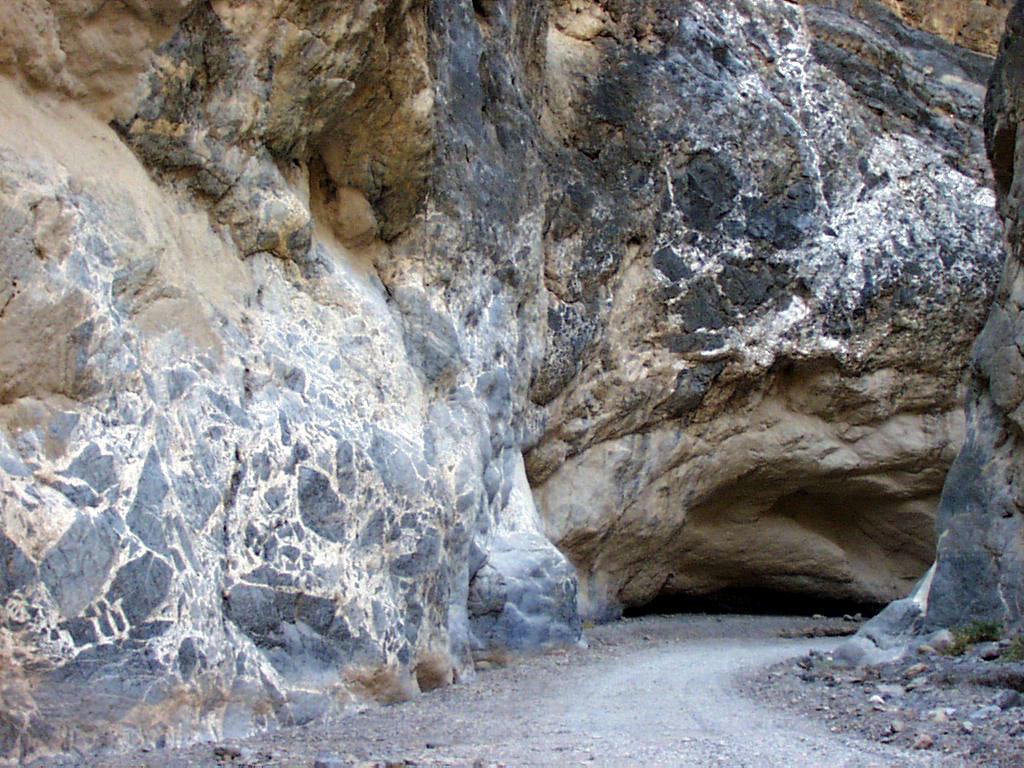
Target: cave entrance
[[758, 601]]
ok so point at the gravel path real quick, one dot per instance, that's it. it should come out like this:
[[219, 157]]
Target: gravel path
[[657, 691]]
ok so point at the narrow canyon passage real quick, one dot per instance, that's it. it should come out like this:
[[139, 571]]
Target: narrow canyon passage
[[654, 691], [346, 344]]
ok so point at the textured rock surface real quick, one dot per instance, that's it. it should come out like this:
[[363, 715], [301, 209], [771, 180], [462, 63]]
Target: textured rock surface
[[768, 397], [975, 24], [980, 564], [288, 291]]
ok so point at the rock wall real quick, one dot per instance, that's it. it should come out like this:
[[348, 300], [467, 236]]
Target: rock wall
[[979, 571], [974, 24], [765, 397], [316, 318]]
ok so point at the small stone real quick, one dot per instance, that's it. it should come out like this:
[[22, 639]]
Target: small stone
[[897, 726], [989, 651], [915, 669], [942, 640], [938, 715], [968, 726], [924, 741], [984, 713], [1008, 699], [917, 682], [330, 762], [926, 650], [890, 689]]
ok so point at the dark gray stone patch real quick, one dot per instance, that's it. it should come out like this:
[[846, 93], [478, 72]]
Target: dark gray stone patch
[[150, 629], [691, 386], [76, 568], [431, 341], [295, 379], [495, 390], [142, 586], [785, 221], [422, 560], [701, 306], [145, 516], [230, 409], [178, 382], [190, 657], [345, 468], [707, 188], [82, 631], [263, 612], [393, 458], [667, 261], [80, 495], [320, 507], [94, 467], [16, 570]]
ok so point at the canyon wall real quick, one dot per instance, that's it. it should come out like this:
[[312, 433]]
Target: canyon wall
[[974, 24], [979, 573], [320, 322]]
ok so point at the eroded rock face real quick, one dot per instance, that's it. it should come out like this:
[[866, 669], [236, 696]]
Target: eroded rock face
[[974, 24], [979, 571], [316, 318], [766, 393], [245, 480]]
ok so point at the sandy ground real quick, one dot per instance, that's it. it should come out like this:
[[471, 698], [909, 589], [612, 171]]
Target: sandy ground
[[656, 691]]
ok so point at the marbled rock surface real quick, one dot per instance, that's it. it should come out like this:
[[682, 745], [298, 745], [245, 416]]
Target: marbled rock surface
[[766, 393], [289, 289]]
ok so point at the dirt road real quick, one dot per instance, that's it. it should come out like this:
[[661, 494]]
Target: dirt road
[[658, 691]]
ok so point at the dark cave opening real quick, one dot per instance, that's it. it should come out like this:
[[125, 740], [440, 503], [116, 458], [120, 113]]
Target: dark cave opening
[[758, 601]]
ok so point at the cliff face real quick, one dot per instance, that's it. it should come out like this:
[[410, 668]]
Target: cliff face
[[316, 318], [980, 564], [766, 401], [974, 24]]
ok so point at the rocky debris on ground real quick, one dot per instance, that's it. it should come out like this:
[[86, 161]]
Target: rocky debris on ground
[[966, 707], [843, 627], [568, 706]]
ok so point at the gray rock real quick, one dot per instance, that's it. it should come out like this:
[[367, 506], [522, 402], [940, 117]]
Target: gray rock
[[77, 567], [1007, 699], [17, 571], [141, 586], [431, 340], [524, 596], [979, 566], [320, 507], [988, 651]]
